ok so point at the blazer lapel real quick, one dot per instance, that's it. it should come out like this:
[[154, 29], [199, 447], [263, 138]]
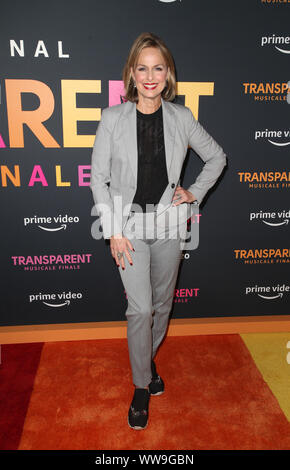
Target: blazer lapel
[[169, 129], [130, 134]]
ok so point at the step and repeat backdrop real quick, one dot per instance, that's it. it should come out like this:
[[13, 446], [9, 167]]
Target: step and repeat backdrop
[[61, 64]]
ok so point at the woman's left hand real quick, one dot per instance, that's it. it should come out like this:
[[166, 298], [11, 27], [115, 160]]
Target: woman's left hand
[[182, 195]]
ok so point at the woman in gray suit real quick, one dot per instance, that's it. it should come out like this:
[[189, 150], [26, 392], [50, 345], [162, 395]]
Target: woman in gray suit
[[139, 150]]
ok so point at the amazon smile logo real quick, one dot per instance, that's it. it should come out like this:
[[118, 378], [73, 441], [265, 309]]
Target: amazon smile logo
[[59, 222], [273, 136], [271, 219], [268, 292], [280, 43], [57, 300]]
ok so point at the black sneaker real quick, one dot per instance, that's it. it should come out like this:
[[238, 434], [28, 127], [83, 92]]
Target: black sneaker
[[138, 411], [156, 386]]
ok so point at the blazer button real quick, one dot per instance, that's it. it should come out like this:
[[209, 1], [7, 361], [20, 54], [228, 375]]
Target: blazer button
[[172, 185]]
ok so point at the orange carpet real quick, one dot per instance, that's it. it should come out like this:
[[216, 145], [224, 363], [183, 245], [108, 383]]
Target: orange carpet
[[18, 367], [215, 398]]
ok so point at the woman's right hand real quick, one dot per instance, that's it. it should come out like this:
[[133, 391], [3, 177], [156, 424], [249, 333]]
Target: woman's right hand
[[118, 243]]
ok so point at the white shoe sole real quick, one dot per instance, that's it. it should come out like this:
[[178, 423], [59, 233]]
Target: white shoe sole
[[137, 428], [156, 394]]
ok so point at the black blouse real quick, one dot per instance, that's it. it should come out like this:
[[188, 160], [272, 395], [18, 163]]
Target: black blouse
[[152, 177]]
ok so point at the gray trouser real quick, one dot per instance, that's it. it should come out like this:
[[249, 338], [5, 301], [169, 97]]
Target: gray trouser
[[149, 286]]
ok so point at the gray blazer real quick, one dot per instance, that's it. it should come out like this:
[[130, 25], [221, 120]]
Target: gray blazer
[[114, 161]]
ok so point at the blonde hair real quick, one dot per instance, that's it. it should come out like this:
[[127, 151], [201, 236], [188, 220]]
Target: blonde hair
[[148, 39]]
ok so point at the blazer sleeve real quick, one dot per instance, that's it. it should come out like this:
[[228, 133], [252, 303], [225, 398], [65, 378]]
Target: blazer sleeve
[[210, 152], [101, 176]]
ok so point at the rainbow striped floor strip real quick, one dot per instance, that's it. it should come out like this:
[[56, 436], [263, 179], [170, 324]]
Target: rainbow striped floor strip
[[269, 352]]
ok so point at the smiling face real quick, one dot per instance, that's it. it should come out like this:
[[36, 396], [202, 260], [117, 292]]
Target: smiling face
[[150, 74]]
